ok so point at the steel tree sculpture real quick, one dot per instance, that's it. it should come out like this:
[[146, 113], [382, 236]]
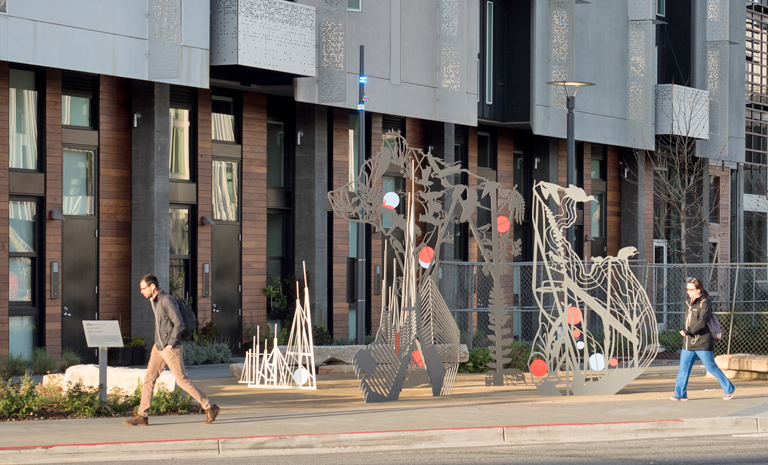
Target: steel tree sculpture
[[597, 328], [417, 329]]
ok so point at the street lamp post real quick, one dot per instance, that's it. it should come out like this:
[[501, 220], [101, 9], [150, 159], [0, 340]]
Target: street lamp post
[[361, 262], [570, 87]]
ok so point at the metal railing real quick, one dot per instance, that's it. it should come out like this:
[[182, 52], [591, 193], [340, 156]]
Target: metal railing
[[739, 293]]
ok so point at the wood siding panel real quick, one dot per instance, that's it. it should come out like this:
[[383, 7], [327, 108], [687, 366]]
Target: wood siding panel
[[340, 231], [53, 168], [254, 204], [377, 238], [472, 184], [613, 227], [204, 198], [114, 202]]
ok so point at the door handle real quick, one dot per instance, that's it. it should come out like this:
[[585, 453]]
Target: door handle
[[65, 311]]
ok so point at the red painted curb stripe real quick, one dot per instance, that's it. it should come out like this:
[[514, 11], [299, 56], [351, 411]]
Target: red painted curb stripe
[[51, 446]]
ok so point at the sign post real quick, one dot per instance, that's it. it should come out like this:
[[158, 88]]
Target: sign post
[[102, 334]]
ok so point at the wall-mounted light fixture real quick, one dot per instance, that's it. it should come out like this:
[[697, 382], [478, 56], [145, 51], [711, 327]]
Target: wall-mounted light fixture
[[536, 163], [298, 137], [56, 215], [136, 117], [208, 220]]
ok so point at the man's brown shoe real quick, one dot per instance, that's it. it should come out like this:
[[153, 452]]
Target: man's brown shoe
[[138, 420], [211, 414]]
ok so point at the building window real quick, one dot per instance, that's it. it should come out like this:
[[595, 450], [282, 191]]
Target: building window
[[23, 120], [223, 118], [179, 155], [486, 153], [276, 244], [597, 216], [754, 237], [179, 252], [714, 199], [489, 53], [22, 276], [75, 111], [226, 190], [3, 6], [78, 178], [275, 154], [661, 7], [77, 99], [355, 5]]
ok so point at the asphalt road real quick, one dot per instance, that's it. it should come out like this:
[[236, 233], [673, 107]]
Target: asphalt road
[[749, 449]]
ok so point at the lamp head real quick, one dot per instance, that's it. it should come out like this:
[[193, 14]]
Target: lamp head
[[571, 87]]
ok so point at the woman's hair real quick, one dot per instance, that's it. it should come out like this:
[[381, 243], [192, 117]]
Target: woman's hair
[[697, 284]]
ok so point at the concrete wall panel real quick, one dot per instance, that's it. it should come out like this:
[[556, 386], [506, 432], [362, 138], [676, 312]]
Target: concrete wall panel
[[120, 17], [195, 25]]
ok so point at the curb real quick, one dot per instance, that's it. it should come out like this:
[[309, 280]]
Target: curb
[[491, 435]]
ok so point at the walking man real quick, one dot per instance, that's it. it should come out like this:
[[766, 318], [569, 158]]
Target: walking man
[[166, 351]]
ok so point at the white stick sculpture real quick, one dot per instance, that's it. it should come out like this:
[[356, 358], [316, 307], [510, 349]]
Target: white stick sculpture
[[295, 370]]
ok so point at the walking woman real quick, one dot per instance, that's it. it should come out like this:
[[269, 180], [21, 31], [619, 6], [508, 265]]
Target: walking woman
[[698, 342]]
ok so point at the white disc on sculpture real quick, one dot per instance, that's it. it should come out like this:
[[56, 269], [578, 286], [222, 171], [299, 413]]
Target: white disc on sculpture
[[597, 362], [301, 376], [391, 200], [580, 345]]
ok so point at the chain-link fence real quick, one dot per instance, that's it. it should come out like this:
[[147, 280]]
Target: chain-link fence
[[739, 293]]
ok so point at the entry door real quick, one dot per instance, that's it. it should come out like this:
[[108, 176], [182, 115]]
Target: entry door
[[79, 278], [225, 283]]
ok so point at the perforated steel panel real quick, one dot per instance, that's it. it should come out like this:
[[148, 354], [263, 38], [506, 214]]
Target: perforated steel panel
[[717, 84], [223, 32], [717, 20], [682, 111], [640, 93], [451, 45], [164, 39], [331, 75], [561, 63], [275, 34], [640, 10]]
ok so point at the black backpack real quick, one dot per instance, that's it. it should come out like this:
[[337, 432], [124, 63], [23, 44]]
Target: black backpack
[[189, 319]]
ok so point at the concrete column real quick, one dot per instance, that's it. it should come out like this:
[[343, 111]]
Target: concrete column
[[441, 138], [150, 142], [311, 202]]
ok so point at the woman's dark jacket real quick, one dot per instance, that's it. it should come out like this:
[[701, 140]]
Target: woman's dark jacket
[[697, 335]]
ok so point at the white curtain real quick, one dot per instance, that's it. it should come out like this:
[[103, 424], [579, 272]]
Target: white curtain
[[225, 191], [178, 159], [77, 185], [223, 127], [23, 129]]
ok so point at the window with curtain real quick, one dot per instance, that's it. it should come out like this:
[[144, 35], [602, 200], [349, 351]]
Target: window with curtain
[[178, 159], [22, 265], [78, 190], [22, 129], [223, 118], [76, 111], [225, 190]]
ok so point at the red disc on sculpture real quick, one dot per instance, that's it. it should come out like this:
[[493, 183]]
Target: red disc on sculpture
[[574, 315], [576, 333], [502, 224], [425, 256], [613, 362], [538, 368]]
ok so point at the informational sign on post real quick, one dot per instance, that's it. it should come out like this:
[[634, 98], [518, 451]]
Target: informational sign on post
[[102, 334]]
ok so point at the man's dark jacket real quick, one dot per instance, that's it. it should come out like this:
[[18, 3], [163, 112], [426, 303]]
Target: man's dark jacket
[[697, 334], [168, 321]]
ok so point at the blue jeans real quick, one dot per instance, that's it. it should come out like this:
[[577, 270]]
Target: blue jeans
[[687, 358]]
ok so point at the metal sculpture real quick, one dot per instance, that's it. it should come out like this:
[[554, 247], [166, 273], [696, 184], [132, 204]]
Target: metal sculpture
[[597, 328], [295, 369], [418, 338]]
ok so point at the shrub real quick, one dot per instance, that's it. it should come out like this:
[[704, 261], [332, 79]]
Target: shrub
[[343, 341], [16, 365], [197, 354], [321, 336], [671, 340], [69, 357], [478, 361], [173, 402], [42, 362], [18, 400], [520, 353], [282, 339], [135, 342]]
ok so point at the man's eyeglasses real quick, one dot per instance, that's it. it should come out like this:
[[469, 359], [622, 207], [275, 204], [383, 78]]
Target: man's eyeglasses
[[143, 288]]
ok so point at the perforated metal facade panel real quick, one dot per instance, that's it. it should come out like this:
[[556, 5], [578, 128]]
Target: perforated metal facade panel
[[164, 39], [450, 98], [331, 75], [561, 60]]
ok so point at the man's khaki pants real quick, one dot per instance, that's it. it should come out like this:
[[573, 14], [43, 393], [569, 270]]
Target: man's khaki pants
[[158, 360]]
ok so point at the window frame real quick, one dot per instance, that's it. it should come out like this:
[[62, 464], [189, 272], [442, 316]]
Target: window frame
[[239, 209], [31, 308], [95, 173], [190, 276], [489, 52], [661, 8], [359, 8], [237, 110]]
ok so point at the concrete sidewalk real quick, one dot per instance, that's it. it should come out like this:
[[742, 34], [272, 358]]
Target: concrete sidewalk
[[335, 415]]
